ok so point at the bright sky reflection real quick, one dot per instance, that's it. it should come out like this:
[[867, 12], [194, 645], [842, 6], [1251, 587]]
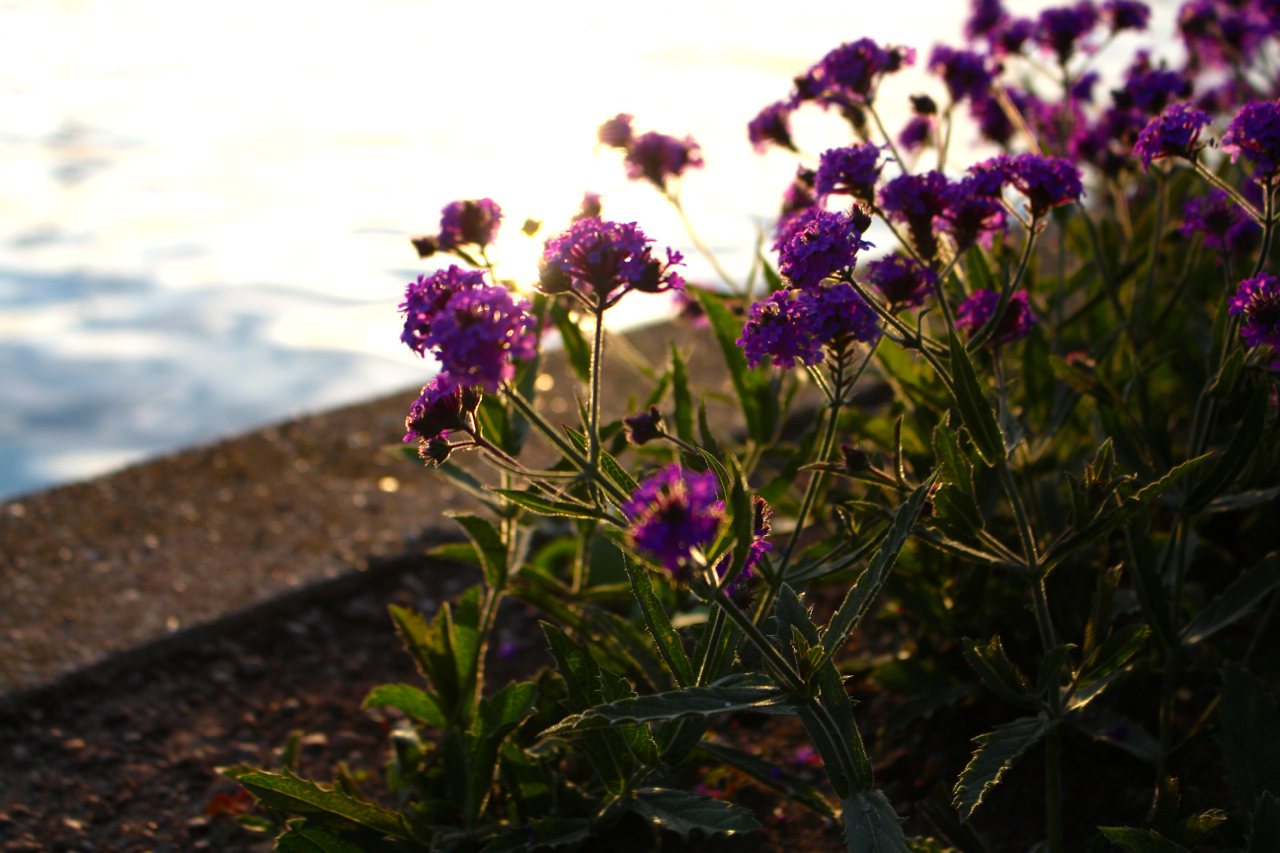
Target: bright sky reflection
[[204, 210]]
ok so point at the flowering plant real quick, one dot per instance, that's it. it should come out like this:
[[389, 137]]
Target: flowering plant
[[1060, 470]]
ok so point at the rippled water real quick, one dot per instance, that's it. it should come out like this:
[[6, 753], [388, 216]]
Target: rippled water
[[204, 210]]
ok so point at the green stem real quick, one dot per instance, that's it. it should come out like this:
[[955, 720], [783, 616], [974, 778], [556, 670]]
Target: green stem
[[702, 247], [784, 671], [1053, 787], [902, 164], [717, 629], [597, 370], [1006, 294]]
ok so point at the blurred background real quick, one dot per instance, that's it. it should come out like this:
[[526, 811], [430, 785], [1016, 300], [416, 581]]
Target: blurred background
[[205, 211]]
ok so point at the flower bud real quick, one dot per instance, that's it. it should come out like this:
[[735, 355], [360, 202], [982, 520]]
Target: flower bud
[[855, 459], [426, 245], [643, 427], [436, 451]]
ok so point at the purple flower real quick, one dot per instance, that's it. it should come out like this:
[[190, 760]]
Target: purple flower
[[965, 72], [1016, 324], [902, 281], [1226, 228], [478, 333], [689, 308], [993, 122], [472, 222], [738, 588], [589, 208], [973, 211], [779, 326], [605, 259], [852, 171], [1150, 88], [917, 133], [616, 132], [1173, 133], [673, 513], [984, 19], [798, 198], [1082, 89], [1060, 30], [773, 124], [1047, 182], [838, 316], [1258, 301], [822, 244], [989, 177], [917, 200], [1012, 36], [1223, 35], [1126, 15], [425, 298], [643, 427], [1255, 133], [657, 157], [850, 73], [443, 406]]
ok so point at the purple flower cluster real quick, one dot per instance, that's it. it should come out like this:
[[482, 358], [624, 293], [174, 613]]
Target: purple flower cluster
[[917, 133], [672, 514], [771, 125], [1227, 229], [1047, 182], [442, 406], [850, 73], [1126, 15], [903, 282], [1061, 30], [966, 73], [473, 222], [974, 312], [973, 213], [1225, 34], [604, 260], [658, 157], [985, 18], [1149, 88], [473, 329], [1258, 302], [778, 326], [917, 200], [1255, 133], [1173, 133], [838, 317], [820, 244], [852, 171]]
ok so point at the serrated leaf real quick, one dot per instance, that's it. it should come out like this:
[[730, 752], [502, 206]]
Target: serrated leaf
[[1250, 736], [551, 507], [859, 598], [659, 624], [418, 704], [976, 413], [305, 799], [685, 812], [727, 331], [871, 825], [997, 751], [770, 775], [1141, 840], [1236, 600], [1112, 654], [313, 839], [490, 547], [431, 647], [1246, 439], [739, 692], [997, 672]]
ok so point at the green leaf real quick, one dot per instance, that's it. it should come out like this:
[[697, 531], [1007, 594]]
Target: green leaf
[[1049, 676], [1112, 654], [741, 692], [1229, 376], [549, 507], [431, 647], [313, 839], [544, 834], [305, 799], [681, 396], [418, 704], [469, 483], [1119, 731], [1141, 840], [976, 413], [575, 345], [685, 812], [608, 464], [770, 775], [1250, 736], [656, 619], [1145, 577], [871, 825], [705, 437], [1109, 521], [1243, 500], [1265, 836], [958, 474], [496, 718], [998, 673], [1247, 437], [727, 330], [861, 594], [997, 751], [489, 545], [1236, 600]]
